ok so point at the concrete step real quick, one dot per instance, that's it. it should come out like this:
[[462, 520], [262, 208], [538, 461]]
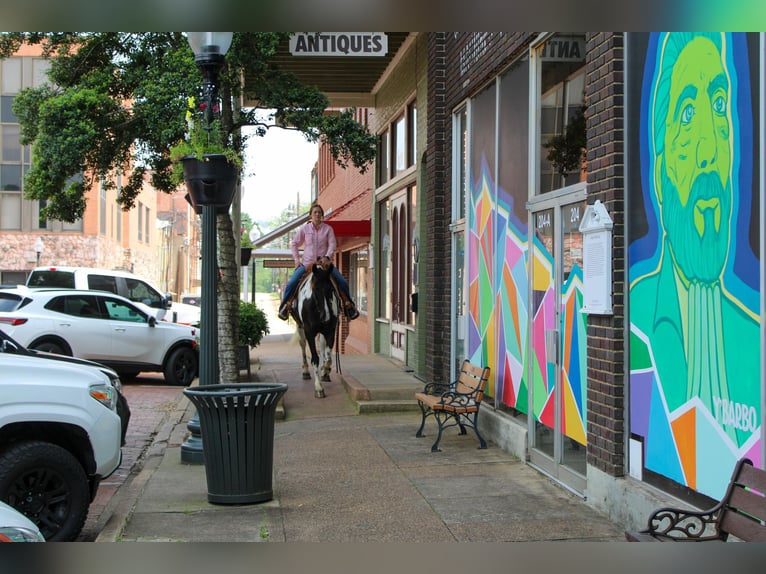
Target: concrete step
[[386, 406]]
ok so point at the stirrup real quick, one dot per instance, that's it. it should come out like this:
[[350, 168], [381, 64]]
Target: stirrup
[[284, 312]]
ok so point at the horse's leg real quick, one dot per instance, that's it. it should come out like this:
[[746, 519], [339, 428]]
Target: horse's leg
[[302, 337], [317, 358], [326, 363]]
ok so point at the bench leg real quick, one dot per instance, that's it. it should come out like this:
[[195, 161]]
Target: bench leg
[[473, 420], [441, 418], [425, 412]]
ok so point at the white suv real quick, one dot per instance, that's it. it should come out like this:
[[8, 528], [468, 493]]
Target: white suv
[[124, 283], [101, 327], [59, 437]]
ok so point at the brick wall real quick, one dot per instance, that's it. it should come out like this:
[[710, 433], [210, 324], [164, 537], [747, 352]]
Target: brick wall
[[606, 347], [434, 306]]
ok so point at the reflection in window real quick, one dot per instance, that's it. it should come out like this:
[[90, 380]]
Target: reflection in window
[[562, 121]]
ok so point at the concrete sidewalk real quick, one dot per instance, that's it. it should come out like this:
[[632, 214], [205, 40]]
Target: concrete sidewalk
[[342, 476]]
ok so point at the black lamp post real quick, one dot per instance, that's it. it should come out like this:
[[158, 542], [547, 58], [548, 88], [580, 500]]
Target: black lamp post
[[209, 50]]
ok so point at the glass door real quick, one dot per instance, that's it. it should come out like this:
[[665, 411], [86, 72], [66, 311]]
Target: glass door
[[557, 363]]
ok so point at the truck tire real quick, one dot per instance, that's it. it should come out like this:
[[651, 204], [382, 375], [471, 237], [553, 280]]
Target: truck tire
[[181, 367], [46, 483]]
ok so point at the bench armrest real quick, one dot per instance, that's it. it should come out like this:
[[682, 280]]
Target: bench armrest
[[436, 389], [455, 399], [680, 525]]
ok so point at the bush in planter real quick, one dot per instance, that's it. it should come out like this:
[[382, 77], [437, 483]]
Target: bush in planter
[[253, 324]]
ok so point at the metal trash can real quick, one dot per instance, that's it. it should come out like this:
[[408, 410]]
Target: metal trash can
[[237, 430]]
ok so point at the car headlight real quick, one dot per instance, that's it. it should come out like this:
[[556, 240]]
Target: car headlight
[[19, 534], [105, 394]]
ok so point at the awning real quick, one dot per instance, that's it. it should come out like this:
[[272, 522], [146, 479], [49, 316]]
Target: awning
[[342, 228]]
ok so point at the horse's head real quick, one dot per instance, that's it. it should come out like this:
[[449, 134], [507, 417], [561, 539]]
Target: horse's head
[[324, 263]]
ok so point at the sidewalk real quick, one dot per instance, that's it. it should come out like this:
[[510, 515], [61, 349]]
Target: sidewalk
[[340, 476]]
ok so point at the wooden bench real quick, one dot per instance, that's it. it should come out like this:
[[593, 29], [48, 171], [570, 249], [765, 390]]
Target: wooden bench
[[454, 403], [741, 513]]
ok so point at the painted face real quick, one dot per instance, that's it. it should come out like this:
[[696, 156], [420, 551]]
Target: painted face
[[697, 131], [695, 166]]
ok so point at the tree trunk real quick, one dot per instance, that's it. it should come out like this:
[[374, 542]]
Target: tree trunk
[[228, 254], [228, 301]]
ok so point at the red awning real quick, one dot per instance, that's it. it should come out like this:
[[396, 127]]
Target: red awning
[[350, 228]]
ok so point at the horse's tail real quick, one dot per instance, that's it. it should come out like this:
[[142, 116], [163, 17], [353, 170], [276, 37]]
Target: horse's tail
[[296, 338]]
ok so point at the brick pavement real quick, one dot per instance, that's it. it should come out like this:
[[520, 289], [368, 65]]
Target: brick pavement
[[150, 402]]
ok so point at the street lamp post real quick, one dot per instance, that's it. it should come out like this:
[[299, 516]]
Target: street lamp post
[[209, 50], [39, 246]]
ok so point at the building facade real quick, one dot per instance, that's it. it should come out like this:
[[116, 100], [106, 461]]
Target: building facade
[[627, 364], [157, 239]]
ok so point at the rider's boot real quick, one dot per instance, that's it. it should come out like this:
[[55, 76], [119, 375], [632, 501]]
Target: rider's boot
[[284, 310], [349, 308]]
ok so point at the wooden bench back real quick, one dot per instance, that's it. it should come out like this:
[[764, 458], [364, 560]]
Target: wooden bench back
[[744, 508], [472, 380]]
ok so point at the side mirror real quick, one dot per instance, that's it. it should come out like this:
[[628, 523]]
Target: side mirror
[[167, 301], [152, 321]]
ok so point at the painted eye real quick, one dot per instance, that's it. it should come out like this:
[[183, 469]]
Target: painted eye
[[719, 105], [687, 114]]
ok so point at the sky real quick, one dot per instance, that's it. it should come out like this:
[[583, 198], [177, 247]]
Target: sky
[[277, 171]]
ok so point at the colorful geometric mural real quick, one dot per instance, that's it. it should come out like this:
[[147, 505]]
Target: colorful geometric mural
[[498, 279], [497, 290], [695, 346]]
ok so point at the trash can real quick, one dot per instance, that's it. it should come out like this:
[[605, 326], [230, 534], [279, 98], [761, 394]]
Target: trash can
[[237, 430]]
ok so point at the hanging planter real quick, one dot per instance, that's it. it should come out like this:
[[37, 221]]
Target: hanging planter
[[211, 180]]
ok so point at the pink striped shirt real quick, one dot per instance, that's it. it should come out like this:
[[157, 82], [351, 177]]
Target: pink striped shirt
[[315, 242]]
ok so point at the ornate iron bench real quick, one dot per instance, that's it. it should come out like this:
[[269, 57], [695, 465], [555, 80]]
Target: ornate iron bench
[[454, 404], [741, 513]]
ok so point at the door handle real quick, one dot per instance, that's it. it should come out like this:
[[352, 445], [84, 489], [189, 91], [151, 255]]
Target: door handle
[[552, 345], [120, 329]]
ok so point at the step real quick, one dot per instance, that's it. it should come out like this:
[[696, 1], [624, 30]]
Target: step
[[387, 406]]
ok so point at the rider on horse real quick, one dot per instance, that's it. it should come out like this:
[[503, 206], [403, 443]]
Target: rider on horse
[[318, 241]]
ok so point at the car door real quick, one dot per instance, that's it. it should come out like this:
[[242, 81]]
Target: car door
[[81, 322], [134, 340]]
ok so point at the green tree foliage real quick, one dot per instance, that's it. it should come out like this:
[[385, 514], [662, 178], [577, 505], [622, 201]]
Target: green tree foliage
[[117, 103]]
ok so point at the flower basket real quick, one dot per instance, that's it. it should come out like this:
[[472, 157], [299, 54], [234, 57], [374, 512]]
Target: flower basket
[[211, 180]]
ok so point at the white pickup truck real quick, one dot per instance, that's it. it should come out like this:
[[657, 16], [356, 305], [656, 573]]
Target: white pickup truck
[[60, 435]]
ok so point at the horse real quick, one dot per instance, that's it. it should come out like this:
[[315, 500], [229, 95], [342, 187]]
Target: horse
[[316, 310]]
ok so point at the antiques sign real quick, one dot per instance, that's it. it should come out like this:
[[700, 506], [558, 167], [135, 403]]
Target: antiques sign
[[339, 44]]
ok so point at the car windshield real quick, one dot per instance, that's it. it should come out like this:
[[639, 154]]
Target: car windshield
[[51, 278]]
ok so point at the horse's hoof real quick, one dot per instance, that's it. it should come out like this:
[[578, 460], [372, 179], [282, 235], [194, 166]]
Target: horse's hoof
[[306, 376], [326, 378], [319, 394]]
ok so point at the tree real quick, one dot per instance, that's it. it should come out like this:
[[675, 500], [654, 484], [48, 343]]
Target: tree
[[117, 103]]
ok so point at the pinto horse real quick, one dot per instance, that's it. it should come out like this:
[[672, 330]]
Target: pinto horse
[[316, 310]]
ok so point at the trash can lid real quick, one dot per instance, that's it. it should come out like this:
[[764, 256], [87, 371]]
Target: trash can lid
[[235, 389]]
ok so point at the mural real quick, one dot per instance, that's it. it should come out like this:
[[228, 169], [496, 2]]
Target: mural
[[497, 290], [695, 381]]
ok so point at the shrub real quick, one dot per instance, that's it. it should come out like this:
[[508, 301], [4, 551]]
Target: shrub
[[253, 324]]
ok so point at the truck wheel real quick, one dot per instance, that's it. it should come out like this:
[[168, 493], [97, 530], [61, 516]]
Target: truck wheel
[[47, 484], [181, 367]]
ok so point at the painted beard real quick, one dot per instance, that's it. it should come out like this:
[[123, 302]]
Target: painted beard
[[699, 231]]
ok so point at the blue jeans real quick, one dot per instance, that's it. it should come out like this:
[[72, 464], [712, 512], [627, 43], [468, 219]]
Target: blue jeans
[[292, 283]]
